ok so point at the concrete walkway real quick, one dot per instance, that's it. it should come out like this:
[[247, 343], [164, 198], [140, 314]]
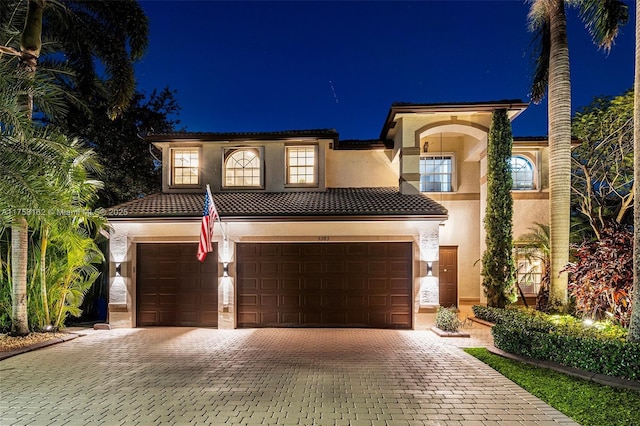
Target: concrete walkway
[[189, 376]]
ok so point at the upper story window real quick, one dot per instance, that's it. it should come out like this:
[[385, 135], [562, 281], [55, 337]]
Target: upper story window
[[302, 165], [437, 173], [185, 166], [243, 168], [522, 173]]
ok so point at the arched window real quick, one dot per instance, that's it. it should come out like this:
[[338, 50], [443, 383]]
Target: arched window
[[522, 173], [242, 168]]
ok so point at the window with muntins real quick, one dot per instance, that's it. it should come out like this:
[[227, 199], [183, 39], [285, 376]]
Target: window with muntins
[[529, 270], [301, 165], [243, 168], [436, 173], [522, 173], [185, 166]]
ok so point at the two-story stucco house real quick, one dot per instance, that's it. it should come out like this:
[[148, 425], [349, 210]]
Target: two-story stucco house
[[317, 231]]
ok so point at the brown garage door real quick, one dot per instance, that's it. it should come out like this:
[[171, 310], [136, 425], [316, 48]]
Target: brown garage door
[[324, 285], [174, 288]]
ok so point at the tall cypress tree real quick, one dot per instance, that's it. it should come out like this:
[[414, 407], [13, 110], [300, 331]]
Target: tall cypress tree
[[498, 267]]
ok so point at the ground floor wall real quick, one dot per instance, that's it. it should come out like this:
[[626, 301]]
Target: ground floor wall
[[464, 229], [422, 235]]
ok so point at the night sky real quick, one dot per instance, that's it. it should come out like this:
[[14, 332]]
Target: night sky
[[264, 66]]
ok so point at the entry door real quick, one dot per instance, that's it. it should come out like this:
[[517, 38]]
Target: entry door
[[448, 276]]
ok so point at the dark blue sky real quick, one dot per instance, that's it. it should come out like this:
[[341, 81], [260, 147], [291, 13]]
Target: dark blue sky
[[263, 66]]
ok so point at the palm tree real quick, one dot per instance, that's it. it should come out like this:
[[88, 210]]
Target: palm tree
[[72, 191], [74, 38], [27, 150], [634, 324], [111, 33], [547, 19]]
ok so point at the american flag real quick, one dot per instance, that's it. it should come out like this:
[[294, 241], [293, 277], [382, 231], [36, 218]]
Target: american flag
[[209, 217]]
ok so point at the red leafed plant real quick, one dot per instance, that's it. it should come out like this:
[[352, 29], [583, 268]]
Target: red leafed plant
[[601, 279]]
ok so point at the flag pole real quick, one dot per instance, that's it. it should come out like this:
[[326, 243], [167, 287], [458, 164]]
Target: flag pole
[[224, 234]]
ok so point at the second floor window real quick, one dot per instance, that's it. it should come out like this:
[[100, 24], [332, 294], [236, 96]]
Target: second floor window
[[243, 168], [185, 166], [436, 173], [522, 173], [301, 165]]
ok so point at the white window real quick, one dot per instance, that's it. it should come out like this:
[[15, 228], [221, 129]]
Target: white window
[[243, 168], [529, 270], [437, 173], [301, 165], [522, 173], [185, 166]]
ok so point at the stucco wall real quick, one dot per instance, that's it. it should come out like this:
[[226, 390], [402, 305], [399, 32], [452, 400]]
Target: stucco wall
[[528, 212], [461, 230], [361, 168]]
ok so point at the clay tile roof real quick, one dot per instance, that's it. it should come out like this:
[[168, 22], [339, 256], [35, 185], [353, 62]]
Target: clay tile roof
[[216, 136], [333, 203], [352, 144], [466, 103]]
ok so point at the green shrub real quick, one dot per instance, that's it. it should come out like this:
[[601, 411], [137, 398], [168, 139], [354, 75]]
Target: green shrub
[[599, 348], [562, 324], [530, 318], [613, 357], [447, 320]]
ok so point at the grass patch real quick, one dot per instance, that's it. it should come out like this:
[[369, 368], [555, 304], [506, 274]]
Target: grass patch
[[588, 403]]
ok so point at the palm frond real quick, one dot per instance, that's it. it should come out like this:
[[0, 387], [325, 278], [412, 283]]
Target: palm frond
[[603, 19], [540, 25]]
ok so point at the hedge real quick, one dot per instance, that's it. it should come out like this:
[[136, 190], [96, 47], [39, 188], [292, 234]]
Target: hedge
[[534, 335]]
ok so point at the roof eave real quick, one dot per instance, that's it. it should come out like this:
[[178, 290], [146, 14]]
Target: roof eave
[[310, 218], [212, 137], [516, 105]]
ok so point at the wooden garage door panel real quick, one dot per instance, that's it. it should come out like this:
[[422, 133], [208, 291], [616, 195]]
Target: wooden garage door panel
[[174, 288], [324, 285]]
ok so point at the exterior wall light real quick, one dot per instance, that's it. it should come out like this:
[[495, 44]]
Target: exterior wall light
[[118, 269]]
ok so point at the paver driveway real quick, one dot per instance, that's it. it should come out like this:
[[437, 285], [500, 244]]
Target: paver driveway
[[266, 376]]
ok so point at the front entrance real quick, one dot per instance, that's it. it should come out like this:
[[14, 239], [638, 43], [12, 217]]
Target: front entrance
[[448, 276]]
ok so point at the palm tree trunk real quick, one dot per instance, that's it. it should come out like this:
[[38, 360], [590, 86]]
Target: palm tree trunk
[[30, 45], [560, 153], [43, 273], [634, 325], [19, 245]]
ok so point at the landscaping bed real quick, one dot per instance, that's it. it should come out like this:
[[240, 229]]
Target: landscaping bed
[[599, 348], [9, 343]]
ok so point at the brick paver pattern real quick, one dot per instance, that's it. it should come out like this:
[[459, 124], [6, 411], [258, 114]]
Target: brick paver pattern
[[191, 376]]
